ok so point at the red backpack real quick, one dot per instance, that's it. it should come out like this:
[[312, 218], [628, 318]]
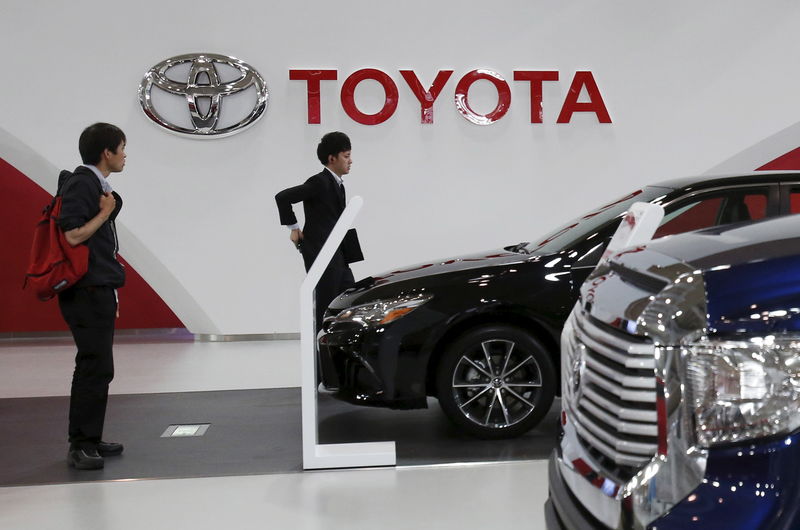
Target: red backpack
[[54, 264]]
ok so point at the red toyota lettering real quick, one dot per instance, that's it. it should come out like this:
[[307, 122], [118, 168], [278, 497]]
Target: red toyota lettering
[[348, 96], [426, 98], [503, 97], [313, 78], [595, 104], [536, 78]]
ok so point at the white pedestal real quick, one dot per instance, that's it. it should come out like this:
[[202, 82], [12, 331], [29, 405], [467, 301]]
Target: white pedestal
[[316, 456]]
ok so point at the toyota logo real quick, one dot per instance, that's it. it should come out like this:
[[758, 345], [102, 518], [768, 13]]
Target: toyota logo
[[204, 95]]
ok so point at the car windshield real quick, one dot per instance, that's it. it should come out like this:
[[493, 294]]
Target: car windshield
[[581, 227]]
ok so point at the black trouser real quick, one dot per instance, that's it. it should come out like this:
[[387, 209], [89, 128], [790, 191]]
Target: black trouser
[[336, 278], [90, 313]]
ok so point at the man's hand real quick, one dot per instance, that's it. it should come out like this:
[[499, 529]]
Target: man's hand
[[107, 204], [76, 236], [296, 236]]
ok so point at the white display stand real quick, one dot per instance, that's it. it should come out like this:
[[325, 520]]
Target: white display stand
[[637, 228], [316, 456]]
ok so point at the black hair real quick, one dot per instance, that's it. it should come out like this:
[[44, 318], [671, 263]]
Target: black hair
[[332, 144], [97, 138]]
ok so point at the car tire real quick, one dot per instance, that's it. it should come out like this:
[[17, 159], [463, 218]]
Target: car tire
[[496, 381]]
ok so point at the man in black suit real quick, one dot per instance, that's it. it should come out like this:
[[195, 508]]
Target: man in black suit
[[323, 199]]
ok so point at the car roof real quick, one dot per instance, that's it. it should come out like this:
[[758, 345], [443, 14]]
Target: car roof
[[714, 181]]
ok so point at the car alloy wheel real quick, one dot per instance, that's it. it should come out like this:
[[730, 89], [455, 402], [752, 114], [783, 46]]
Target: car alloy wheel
[[496, 382]]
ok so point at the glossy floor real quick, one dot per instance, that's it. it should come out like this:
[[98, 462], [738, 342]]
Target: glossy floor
[[441, 497]]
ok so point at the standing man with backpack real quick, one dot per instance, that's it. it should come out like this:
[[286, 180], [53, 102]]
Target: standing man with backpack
[[88, 209]]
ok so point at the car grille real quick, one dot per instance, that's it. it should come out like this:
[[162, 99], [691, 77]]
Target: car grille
[[613, 399]]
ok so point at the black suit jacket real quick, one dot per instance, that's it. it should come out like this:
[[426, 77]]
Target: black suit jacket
[[323, 204]]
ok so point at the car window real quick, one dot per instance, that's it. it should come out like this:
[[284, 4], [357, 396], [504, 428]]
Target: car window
[[581, 227], [794, 200], [756, 205], [712, 209]]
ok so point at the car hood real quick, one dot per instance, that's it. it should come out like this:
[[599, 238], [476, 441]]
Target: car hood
[[424, 275], [449, 265], [751, 272]]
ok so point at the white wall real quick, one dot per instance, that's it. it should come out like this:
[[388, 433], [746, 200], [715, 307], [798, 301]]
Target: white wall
[[689, 85]]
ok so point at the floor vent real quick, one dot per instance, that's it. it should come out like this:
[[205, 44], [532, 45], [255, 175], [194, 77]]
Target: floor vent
[[184, 431]]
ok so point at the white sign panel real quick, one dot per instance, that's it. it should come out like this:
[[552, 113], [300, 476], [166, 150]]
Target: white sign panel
[[637, 227]]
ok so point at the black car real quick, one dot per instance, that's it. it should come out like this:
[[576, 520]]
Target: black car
[[481, 332]]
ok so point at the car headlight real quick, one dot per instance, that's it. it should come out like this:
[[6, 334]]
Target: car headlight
[[382, 312], [744, 389]]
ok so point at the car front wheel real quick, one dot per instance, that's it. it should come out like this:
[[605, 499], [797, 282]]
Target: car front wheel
[[496, 381]]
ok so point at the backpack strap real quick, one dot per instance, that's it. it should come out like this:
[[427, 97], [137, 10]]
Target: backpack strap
[[63, 177]]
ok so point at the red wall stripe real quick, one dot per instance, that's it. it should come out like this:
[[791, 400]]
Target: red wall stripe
[[789, 161], [21, 203]]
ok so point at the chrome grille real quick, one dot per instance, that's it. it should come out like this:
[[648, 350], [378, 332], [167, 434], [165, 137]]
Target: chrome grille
[[613, 399]]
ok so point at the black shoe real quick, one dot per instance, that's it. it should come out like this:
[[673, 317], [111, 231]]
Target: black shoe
[[85, 459], [109, 448]]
